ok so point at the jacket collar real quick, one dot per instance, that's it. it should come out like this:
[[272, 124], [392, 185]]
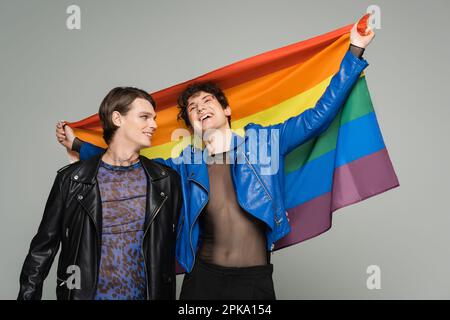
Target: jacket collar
[[87, 173], [199, 172]]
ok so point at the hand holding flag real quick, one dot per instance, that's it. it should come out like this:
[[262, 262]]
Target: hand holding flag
[[362, 34]]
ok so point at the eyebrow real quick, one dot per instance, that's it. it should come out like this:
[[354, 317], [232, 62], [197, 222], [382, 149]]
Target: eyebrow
[[148, 114], [204, 97]]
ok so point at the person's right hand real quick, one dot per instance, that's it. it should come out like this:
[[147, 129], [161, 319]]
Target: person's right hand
[[64, 135], [359, 40]]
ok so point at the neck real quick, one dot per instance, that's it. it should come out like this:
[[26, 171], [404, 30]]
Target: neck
[[218, 141], [119, 154]]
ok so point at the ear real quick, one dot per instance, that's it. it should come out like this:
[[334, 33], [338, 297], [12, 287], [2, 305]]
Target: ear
[[227, 111], [116, 118]]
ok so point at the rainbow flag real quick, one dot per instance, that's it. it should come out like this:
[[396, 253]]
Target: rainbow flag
[[346, 164]]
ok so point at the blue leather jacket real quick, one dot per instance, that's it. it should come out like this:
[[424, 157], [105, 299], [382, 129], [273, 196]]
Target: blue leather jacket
[[259, 189]]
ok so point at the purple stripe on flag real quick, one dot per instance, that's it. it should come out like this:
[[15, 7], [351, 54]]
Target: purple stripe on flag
[[363, 178], [308, 220], [353, 182]]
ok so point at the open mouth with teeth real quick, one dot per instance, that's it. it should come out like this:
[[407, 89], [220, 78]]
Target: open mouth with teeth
[[148, 134], [205, 117]]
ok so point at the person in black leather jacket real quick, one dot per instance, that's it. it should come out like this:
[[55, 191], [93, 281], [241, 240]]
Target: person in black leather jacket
[[114, 215]]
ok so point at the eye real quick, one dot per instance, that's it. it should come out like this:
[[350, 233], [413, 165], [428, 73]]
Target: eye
[[144, 117]]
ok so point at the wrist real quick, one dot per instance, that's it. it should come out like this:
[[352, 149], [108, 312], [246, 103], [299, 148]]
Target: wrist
[[356, 45], [356, 50], [76, 145]]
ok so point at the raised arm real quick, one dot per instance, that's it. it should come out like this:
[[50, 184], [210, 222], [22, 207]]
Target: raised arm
[[314, 121]]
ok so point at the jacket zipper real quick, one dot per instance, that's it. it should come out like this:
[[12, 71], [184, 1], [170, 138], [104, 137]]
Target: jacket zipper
[[76, 255], [98, 241], [277, 220], [257, 177], [181, 226], [195, 220], [142, 245]]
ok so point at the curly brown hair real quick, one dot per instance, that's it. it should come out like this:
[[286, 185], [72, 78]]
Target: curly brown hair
[[193, 89]]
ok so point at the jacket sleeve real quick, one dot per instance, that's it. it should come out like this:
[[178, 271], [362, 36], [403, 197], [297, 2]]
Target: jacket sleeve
[[44, 246], [88, 150], [314, 121]]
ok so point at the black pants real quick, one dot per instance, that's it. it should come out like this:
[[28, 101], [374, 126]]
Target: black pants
[[213, 282]]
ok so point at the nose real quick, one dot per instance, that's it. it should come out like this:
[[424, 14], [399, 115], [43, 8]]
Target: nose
[[153, 124], [200, 108]]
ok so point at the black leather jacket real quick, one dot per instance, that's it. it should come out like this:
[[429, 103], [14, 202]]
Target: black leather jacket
[[73, 219]]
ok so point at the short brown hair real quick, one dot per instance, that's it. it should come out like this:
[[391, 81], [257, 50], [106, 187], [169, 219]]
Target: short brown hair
[[119, 99], [193, 89]]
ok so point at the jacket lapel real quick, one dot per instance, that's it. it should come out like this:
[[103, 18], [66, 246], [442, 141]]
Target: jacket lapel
[[89, 198], [156, 197]]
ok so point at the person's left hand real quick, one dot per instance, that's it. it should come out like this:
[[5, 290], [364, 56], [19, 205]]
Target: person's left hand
[[359, 40]]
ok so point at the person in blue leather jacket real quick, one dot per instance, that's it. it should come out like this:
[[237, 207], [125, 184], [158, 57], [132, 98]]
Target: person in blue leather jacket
[[233, 211]]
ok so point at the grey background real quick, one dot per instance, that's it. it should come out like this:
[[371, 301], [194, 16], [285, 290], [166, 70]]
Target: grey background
[[50, 73]]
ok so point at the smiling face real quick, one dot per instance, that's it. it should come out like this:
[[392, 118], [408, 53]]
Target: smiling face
[[205, 112], [138, 125]]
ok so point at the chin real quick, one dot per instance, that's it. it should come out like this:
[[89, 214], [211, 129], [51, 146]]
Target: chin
[[209, 126], [145, 144]]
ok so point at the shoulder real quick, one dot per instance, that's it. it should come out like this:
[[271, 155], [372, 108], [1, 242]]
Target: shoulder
[[158, 170], [69, 169], [252, 128], [252, 125], [80, 171], [64, 174]]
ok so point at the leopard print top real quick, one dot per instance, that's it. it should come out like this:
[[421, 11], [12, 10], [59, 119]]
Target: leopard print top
[[123, 193]]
